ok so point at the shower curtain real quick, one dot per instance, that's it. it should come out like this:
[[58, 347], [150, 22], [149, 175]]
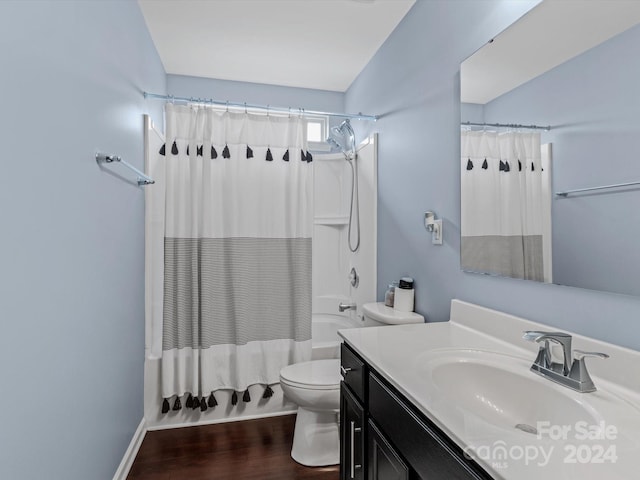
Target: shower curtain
[[504, 206], [235, 195]]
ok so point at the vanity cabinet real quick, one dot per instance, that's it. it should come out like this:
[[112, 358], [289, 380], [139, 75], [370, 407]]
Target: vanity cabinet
[[391, 440]]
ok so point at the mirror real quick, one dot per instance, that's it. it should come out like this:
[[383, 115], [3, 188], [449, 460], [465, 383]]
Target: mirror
[[558, 205]]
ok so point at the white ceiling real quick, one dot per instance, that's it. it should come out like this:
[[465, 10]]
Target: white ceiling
[[322, 44], [547, 36]]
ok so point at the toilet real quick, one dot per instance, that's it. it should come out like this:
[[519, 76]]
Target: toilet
[[315, 387]]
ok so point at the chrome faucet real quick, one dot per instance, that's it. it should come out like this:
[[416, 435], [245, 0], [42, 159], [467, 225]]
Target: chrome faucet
[[347, 306], [572, 372], [544, 358]]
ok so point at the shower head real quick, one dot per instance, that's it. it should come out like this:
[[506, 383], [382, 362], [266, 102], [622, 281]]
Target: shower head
[[343, 137], [332, 141], [344, 129]]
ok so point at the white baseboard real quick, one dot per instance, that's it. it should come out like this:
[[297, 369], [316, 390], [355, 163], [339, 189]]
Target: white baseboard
[[132, 451], [220, 420]]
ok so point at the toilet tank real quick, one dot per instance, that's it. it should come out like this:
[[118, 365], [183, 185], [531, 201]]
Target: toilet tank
[[378, 314]]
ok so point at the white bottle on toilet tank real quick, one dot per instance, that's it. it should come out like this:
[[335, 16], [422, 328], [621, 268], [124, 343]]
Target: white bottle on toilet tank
[[404, 295]]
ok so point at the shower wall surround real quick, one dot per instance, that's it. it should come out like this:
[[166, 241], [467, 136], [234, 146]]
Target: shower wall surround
[[413, 82], [72, 246]]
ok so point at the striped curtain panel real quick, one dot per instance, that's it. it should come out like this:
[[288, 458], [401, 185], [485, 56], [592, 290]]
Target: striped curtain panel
[[504, 208], [237, 250]]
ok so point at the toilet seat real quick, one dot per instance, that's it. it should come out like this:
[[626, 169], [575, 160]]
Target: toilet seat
[[313, 375]]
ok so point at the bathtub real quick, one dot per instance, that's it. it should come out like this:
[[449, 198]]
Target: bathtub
[[324, 335]]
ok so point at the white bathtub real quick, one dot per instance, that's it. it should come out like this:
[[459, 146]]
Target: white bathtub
[[324, 335]]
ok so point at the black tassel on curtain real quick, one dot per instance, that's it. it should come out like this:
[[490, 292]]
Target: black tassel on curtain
[[203, 403], [304, 156]]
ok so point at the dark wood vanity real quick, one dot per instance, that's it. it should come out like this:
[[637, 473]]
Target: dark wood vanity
[[384, 437]]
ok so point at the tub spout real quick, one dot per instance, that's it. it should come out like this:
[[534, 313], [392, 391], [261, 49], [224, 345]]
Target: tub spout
[[347, 306]]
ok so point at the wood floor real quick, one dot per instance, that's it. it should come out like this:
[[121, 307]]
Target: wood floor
[[252, 449]]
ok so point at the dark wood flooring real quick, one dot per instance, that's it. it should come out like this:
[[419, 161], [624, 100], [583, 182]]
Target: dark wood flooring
[[251, 449]]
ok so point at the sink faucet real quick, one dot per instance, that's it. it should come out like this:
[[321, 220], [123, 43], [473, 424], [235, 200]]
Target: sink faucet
[[571, 373], [544, 354], [347, 306]]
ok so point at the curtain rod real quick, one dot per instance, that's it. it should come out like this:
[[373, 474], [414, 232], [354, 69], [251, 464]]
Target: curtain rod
[[268, 108], [505, 125]]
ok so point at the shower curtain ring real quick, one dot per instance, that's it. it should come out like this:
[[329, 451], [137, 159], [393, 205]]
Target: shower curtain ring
[[245, 108], [227, 106], [267, 110], [289, 112]]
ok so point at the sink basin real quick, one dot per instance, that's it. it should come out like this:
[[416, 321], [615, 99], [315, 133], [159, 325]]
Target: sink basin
[[499, 390]]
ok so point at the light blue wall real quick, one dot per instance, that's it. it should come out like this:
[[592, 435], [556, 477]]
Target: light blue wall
[[71, 249], [256, 93], [413, 81], [592, 103], [472, 112]]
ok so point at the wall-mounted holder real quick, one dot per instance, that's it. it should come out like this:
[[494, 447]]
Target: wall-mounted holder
[[142, 179], [434, 226]]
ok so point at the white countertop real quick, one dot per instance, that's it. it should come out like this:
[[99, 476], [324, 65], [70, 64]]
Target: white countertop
[[399, 354]]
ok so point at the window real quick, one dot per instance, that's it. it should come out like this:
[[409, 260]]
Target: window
[[317, 131], [314, 131]]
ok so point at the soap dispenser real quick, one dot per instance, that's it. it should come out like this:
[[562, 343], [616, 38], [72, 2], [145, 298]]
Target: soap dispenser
[[389, 296]]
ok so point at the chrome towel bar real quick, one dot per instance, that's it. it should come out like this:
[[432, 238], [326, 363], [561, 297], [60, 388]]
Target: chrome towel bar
[[591, 189], [142, 179]]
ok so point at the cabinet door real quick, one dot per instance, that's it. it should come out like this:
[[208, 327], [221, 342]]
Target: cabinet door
[[352, 436], [384, 462], [429, 452]]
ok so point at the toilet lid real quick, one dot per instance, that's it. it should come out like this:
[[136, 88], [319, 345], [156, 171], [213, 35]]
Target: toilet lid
[[316, 374]]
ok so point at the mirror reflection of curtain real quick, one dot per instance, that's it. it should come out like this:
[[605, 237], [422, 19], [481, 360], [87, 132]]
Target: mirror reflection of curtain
[[505, 205]]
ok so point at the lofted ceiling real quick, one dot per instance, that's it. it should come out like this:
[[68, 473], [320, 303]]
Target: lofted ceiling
[[321, 44]]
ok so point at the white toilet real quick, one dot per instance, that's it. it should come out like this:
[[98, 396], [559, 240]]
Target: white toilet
[[315, 387]]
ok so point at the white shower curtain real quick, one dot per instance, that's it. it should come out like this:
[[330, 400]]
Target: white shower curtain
[[504, 209], [235, 194]]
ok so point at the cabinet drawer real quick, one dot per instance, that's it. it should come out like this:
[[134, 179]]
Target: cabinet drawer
[[354, 372], [429, 452]]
